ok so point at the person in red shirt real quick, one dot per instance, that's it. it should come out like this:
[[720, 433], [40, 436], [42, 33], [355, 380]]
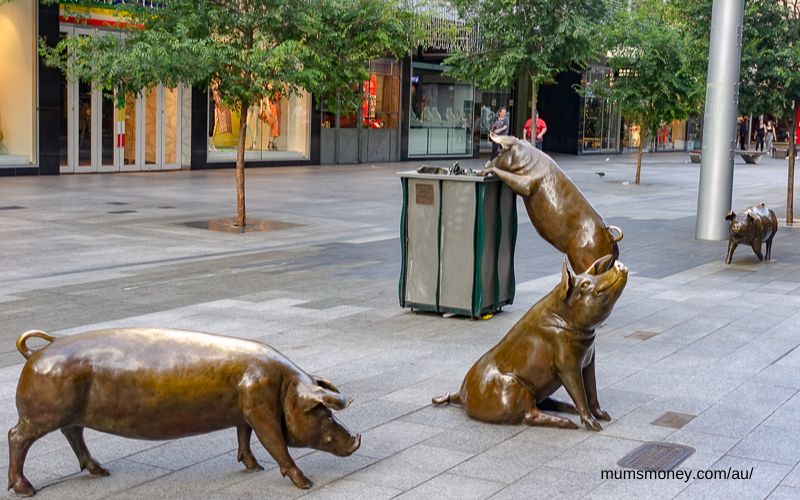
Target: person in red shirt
[[541, 129]]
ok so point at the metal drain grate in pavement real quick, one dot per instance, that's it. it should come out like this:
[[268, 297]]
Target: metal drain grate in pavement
[[122, 212], [656, 456], [116, 203], [11, 207]]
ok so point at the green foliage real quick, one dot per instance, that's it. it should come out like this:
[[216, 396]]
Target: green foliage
[[356, 32], [250, 49], [656, 77], [770, 71], [527, 38]]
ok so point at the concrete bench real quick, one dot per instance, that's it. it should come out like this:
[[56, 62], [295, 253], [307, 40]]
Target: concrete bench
[[694, 155], [780, 150], [751, 157]]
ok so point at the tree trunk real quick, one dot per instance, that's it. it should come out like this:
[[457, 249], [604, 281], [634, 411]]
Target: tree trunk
[[792, 156], [241, 220], [639, 160]]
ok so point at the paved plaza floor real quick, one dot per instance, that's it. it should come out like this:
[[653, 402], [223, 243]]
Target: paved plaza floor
[[690, 335]]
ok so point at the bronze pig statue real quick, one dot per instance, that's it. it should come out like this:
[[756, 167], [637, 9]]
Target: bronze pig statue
[[557, 208], [754, 226], [149, 383], [552, 345]]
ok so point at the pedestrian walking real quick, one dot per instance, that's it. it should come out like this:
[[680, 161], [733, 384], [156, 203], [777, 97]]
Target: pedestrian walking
[[770, 131], [499, 127], [761, 132]]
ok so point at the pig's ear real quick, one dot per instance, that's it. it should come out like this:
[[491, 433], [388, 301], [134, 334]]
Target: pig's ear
[[601, 265], [567, 282], [750, 217], [730, 215], [316, 395], [327, 384], [506, 141]]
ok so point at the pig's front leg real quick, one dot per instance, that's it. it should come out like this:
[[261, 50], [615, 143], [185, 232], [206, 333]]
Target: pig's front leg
[[590, 385], [520, 184], [267, 427], [731, 247], [572, 378], [757, 249]]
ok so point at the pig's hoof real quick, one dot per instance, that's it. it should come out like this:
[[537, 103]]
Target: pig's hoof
[[602, 415], [592, 424], [250, 463], [299, 479], [96, 469], [23, 487]]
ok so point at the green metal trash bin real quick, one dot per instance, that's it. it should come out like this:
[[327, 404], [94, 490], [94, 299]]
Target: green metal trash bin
[[458, 234]]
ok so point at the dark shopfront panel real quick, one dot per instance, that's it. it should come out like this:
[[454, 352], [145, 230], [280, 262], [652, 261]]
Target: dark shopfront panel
[[559, 106]]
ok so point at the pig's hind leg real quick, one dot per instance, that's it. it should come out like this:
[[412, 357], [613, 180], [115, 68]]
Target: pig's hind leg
[[75, 437], [245, 455], [20, 439]]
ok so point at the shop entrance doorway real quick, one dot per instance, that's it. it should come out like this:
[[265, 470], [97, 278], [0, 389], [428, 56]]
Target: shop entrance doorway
[[96, 136]]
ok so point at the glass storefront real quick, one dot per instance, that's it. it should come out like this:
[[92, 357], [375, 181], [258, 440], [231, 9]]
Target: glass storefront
[[371, 134], [600, 118], [18, 64], [278, 129], [441, 114]]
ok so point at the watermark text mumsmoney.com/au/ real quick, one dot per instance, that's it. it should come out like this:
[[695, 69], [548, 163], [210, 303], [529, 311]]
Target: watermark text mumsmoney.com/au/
[[683, 475]]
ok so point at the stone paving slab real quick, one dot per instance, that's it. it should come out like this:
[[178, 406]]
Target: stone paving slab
[[690, 335]]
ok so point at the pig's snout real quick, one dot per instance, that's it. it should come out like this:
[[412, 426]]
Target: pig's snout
[[356, 444], [353, 445]]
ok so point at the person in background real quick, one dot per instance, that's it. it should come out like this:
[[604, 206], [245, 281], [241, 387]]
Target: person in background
[[499, 127], [770, 131], [761, 132], [541, 129], [742, 133]]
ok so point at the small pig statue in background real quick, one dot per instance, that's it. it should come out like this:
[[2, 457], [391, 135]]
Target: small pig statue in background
[[149, 383], [753, 226], [552, 345]]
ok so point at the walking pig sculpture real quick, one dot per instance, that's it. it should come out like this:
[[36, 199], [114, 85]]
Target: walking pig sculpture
[[753, 226], [557, 208], [552, 345], [149, 383]]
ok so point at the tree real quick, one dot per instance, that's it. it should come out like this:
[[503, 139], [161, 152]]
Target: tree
[[533, 39], [770, 79], [654, 77], [248, 50]]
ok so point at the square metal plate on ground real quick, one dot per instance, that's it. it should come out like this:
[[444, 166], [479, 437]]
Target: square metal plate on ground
[[656, 456], [673, 420], [229, 225]]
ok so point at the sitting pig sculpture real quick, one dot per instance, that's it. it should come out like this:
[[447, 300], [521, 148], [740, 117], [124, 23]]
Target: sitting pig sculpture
[[552, 345], [754, 226], [149, 383], [557, 208]]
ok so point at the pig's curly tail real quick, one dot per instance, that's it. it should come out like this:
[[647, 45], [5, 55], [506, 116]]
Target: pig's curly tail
[[23, 349], [614, 229]]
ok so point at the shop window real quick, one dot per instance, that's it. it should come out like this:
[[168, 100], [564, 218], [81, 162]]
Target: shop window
[[277, 129], [441, 114], [18, 83], [601, 117]]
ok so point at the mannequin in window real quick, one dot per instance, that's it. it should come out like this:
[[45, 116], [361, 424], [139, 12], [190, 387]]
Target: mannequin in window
[[253, 127], [270, 113]]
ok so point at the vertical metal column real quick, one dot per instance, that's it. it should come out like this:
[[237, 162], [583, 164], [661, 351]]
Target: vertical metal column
[[719, 136]]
